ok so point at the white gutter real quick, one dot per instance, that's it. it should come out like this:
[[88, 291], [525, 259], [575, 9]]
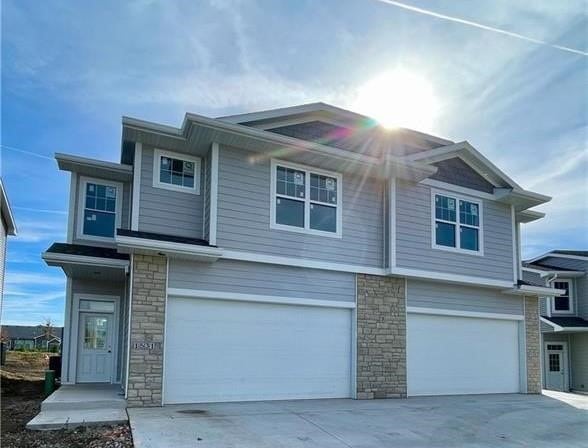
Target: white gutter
[[53, 258], [142, 245]]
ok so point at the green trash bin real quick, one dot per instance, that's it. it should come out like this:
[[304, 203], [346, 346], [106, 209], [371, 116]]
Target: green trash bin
[[49, 382]]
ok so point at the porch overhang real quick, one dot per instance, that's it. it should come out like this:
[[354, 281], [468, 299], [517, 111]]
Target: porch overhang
[[532, 290], [78, 260], [135, 242], [570, 324]]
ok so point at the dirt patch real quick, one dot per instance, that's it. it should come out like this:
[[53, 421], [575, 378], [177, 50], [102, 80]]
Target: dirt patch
[[21, 401], [26, 365]]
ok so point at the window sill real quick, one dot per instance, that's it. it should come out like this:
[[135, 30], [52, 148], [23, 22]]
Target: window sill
[[455, 250], [179, 189], [305, 231]]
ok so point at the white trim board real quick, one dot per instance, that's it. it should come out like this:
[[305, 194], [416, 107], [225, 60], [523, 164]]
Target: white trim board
[[458, 313], [73, 185], [240, 297], [137, 172], [213, 191], [181, 249]]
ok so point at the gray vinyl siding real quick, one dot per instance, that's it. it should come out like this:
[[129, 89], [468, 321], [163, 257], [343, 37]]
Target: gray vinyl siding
[[430, 294], [206, 191], [543, 306], [166, 211], [414, 238], [125, 222], [582, 296], [579, 361], [107, 288], [244, 216], [262, 279], [546, 328], [455, 171]]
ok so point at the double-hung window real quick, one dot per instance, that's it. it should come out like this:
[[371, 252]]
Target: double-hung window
[[178, 172], [305, 200], [100, 208], [563, 303], [457, 223]]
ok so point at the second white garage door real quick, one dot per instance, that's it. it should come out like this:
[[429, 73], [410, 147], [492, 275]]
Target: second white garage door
[[449, 355], [217, 350]]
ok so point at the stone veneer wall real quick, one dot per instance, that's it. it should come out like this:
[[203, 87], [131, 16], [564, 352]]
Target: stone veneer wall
[[147, 330], [533, 345], [381, 337]]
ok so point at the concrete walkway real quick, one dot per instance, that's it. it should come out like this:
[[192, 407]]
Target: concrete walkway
[[456, 421], [81, 405]]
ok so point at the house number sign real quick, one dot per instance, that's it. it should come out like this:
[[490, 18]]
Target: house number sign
[[147, 345]]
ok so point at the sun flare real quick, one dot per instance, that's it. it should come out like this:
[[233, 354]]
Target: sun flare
[[399, 98]]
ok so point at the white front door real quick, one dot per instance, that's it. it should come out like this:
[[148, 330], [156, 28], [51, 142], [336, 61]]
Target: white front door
[[95, 348], [555, 366]]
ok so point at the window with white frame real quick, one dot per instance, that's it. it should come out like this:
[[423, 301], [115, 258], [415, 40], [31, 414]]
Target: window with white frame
[[305, 199], [177, 172], [457, 223], [100, 208], [563, 303]]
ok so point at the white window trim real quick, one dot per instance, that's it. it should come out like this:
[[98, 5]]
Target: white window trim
[[570, 297], [307, 201], [457, 248], [158, 154], [82, 204]]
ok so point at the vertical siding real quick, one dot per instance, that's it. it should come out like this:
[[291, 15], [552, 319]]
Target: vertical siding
[[430, 294], [165, 211], [414, 238], [262, 279], [244, 216], [579, 361]]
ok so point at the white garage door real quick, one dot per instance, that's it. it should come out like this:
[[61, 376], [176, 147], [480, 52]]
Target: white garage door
[[219, 350], [461, 355]]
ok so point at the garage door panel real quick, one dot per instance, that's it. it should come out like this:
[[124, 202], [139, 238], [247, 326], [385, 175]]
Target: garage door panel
[[461, 355], [220, 350]]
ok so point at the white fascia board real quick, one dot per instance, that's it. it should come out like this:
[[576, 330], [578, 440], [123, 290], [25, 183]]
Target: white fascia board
[[551, 324], [53, 259], [258, 298], [535, 290], [213, 192], [168, 247], [450, 278], [546, 273], [137, 166], [67, 161], [7, 212], [458, 313]]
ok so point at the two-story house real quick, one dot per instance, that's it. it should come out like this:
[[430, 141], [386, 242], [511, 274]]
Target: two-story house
[[303, 252], [564, 318]]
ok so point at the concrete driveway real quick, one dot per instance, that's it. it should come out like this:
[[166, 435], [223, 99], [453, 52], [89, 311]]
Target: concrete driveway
[[558, 420]]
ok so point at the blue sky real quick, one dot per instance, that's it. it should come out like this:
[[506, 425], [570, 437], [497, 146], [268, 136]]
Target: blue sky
[[70, 70]]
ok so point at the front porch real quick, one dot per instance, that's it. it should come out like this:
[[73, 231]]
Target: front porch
[[81, 405]]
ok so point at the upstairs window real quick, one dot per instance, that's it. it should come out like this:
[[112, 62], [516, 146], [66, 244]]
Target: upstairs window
[[305, 200], [177, 172], [562, 304], [100, 208], [457, 224]]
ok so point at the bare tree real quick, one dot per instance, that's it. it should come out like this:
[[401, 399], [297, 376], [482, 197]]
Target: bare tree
[[47, 330]]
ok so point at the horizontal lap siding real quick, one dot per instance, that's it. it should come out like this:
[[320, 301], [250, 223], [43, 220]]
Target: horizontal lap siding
[[414, 238], [244, 216], [262, 279], [579, 361], [165, 211], [426, 294]]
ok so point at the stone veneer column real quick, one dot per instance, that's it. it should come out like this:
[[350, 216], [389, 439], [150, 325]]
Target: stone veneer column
[[147, 330], [381, 337], [533, 345]]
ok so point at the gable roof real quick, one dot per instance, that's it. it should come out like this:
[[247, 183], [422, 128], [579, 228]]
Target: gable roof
[[6, 211], [29, 331], [573, 254]]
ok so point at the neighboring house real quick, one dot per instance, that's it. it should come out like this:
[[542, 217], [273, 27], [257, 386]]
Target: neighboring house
[[8, 229], [295, 253], [31, 337], [564, 319]]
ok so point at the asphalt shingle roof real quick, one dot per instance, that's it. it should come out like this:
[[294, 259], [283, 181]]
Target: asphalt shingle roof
[[86, 251]]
